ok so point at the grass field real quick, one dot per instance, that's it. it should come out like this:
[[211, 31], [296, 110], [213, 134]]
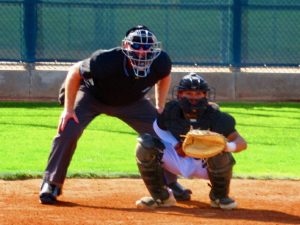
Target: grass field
[[107, 146]]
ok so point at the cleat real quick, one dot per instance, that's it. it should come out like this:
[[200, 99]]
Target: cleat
[[180, 193], [47, 199], [150, 203], [223, 203], [49, 193]]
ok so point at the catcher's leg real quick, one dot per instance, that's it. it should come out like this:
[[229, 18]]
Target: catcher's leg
[[220, 173], [180, 193], [149, 152]]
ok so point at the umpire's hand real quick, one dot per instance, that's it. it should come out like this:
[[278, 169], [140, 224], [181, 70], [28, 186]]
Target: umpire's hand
[[65, 117]]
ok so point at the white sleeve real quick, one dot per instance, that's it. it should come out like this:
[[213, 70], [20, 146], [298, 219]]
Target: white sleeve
[[166, 136]]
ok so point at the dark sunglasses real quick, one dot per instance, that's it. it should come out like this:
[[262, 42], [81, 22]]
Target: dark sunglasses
[[138, 46]]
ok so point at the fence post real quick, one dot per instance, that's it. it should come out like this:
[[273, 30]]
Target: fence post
[[30, 30], [237, 29]]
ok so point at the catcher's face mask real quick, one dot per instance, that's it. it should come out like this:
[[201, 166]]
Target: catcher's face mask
[[141, 48], [193, 103]]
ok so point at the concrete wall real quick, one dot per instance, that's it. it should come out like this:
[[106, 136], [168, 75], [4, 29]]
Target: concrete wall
[[239, 86], [30, 84]]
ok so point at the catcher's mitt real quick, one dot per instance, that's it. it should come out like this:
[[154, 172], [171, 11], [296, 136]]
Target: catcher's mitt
[[203, 144]]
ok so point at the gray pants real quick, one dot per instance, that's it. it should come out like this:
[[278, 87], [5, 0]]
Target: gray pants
[[138, 115]]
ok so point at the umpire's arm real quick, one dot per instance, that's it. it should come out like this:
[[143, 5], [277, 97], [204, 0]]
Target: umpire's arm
[[161, 92], [72, 85]]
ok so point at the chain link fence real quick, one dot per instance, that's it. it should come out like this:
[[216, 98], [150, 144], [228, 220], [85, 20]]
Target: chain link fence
[[215, 35]]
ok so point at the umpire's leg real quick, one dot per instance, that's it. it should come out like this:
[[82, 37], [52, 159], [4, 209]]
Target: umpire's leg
[[65, 142], [139, 115]]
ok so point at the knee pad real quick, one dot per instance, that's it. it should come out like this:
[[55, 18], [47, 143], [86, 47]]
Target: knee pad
[[149, 149], [221, 163]]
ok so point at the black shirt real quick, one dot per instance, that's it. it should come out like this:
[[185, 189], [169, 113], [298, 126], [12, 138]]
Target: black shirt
[[216, 121], [173, 120], [109, 78]]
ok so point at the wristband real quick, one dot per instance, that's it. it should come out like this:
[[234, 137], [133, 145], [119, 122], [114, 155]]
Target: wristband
[[231, 147]]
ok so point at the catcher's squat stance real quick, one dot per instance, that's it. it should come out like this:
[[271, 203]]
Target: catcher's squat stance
[[190, 111]]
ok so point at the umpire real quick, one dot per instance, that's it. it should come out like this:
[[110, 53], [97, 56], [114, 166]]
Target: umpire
[[112, 82]]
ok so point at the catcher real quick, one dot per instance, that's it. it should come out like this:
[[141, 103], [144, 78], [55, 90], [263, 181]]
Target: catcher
[[190, 111]]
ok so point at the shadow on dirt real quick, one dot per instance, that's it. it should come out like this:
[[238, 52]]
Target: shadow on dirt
[[203, 210]]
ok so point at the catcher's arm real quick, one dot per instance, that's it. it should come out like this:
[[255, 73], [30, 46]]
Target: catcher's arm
[[167, 136], [173, 120], [236, 143]]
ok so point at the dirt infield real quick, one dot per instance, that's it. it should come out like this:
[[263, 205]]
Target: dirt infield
[[112, 201]]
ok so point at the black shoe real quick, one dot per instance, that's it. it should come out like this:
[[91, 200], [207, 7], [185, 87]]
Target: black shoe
[[226, 203], [150, 203], [180, 193], [48, 193]]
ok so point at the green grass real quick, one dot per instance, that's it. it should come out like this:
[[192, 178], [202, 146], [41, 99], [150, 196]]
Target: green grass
[[106, 148], [272, 131]]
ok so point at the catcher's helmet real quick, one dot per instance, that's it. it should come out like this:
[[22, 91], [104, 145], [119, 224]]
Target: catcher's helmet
[[141, 47], [193, 105], [193, 82]]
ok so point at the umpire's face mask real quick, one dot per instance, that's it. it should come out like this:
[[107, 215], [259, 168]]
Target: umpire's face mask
[[193, 108]]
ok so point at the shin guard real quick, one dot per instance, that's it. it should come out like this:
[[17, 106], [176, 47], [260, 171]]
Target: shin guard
[[220, 174], [149, 152]]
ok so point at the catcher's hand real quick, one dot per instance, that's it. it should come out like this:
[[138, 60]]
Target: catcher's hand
[[178, 149], [203, 144]]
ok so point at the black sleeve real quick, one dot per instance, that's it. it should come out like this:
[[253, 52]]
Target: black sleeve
[[162, 64], [92, 65], [173, 120], [225, 124]]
